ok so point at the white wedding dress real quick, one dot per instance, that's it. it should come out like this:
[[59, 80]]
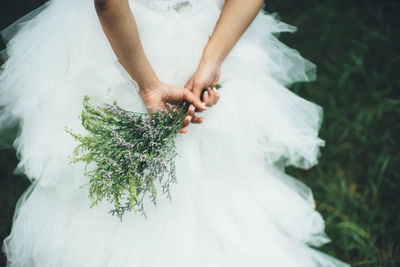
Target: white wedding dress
[[232, 205]]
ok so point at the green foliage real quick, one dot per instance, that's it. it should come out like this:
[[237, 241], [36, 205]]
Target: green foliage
[[357, 182], [130, 151]]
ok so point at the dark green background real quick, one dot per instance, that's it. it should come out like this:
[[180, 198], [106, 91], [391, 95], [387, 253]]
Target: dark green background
[[355, 44]]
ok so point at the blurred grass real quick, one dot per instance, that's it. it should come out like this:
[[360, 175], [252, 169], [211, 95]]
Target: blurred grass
[[355, 45], [357, 183], [11, 186]]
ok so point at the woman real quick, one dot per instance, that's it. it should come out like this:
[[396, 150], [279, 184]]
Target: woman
[[233, 205]]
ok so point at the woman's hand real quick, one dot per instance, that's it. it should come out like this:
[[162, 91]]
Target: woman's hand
[[206, 77], [224, 37], [159, 94]]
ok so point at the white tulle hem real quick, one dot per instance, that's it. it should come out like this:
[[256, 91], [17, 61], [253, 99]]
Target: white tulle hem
[[232, 206]]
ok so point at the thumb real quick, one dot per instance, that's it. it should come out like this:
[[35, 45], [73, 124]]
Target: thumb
[[192, 99]]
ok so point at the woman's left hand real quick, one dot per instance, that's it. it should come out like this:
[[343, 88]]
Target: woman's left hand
[[206, 77], [157, 95]]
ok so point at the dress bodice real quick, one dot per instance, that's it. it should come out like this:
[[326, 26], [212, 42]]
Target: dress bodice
[[177, 5]]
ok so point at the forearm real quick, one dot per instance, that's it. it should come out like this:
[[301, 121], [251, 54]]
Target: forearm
[[119, 25], [235, 18]]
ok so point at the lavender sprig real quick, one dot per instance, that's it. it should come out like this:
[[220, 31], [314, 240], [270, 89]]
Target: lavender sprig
[[132, 152]]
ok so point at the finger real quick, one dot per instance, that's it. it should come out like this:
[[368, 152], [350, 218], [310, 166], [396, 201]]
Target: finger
[[191, 98], [186, 121], [211, 97], [196, 119], [215, 97], [183, 130], [191, 110], [206, 98]]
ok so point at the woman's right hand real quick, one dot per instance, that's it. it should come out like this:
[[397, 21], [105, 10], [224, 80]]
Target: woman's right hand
[[120, 27], [158, 94], [206, 77], [200, 83]]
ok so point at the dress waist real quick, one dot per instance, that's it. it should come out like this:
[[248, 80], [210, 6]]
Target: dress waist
[[179, 5]]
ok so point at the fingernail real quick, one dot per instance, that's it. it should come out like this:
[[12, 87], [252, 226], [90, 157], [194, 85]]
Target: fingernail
[[206, 93], [191, 108], [203, 105], [189, 118]]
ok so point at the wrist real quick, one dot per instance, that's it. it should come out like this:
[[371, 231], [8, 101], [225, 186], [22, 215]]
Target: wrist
[[210, 62], [148, 85], [212, 55]]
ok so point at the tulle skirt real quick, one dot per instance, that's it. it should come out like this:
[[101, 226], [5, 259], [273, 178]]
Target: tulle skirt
[[232, 205]]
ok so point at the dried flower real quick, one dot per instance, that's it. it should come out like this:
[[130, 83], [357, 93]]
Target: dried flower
[[132, 151]]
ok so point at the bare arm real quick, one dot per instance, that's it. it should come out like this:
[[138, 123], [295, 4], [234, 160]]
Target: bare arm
[[119, 25], [235, 18], [120, 28]]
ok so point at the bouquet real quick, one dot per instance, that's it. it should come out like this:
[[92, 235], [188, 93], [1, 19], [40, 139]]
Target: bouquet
[[131, 151]]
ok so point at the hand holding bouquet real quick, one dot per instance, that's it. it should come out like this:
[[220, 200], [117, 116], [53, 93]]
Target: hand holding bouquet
[[132, 152]]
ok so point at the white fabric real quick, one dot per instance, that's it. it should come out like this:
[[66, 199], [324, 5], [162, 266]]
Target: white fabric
[[172, 4], [233, 204]]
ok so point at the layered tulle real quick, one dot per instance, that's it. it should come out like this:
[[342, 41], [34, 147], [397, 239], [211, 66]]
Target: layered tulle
[[232, 205]]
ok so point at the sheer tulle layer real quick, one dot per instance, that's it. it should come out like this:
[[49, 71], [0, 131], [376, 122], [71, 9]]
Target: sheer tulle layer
[[232, 206]]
